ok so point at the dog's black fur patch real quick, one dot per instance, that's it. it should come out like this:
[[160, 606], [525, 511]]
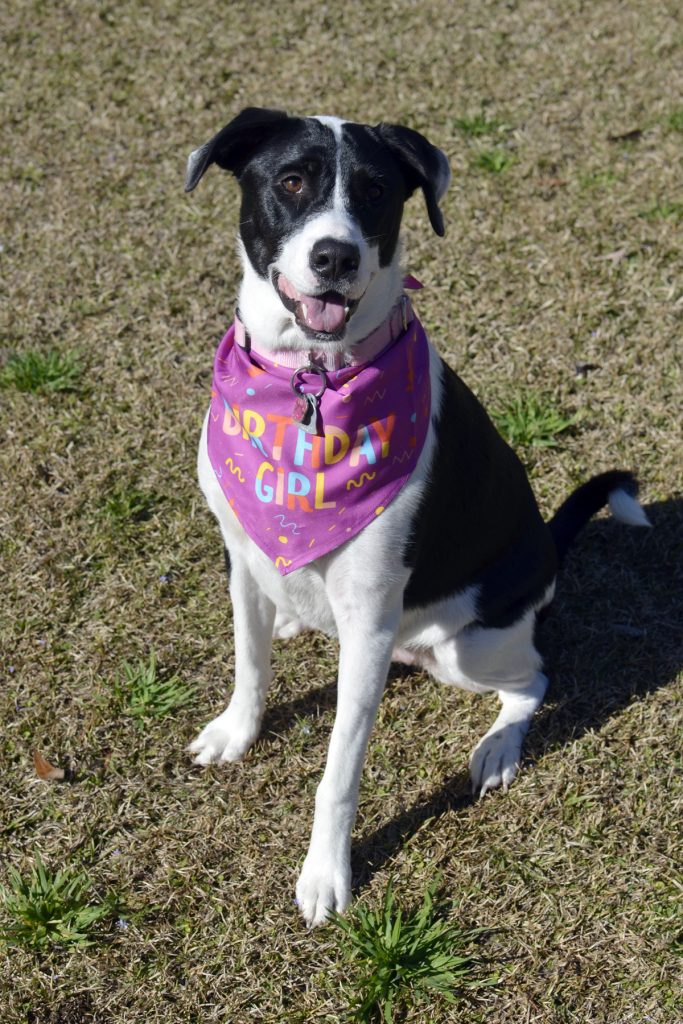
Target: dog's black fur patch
[[478, 522]]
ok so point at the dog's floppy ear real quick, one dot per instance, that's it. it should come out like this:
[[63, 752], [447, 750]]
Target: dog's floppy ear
[[234, 145], [423, 166]]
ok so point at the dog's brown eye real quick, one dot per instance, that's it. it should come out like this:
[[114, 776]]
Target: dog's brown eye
[[375, 190], [292, 183]]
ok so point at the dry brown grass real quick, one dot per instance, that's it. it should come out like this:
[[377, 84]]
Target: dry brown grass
[[571, 254]]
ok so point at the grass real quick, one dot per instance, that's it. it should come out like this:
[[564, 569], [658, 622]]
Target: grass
[[50, 908], [675, 120], [405, 958], [664, 209], [108, 552], [125, 505], [494, 161], [529, 420], [604, 178], [479, 124], [144, 693], [49, 372]]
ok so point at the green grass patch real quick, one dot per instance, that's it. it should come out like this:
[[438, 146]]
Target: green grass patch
[[493, 161], [406, 958], [675, 120], [529, 420], [42, 372], [125, 505], [664, 209], [477, 125], [144, 693], [603, 178], [50, 908]]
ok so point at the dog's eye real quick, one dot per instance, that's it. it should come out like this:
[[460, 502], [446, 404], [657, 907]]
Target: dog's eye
[[375, 190], [292, 184]]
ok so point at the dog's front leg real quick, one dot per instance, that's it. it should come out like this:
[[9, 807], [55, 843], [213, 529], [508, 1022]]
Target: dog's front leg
[[229, 736], [366, 642]]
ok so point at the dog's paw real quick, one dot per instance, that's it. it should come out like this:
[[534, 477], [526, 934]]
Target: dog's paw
[[495, 759], [226, 738], [322, 887]]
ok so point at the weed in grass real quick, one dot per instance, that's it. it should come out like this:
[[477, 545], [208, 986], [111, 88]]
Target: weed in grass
[[495, 161], [144, 694], [675, 120], [50, 908], [477, 125], [406, 957], [664, 210], [529, 420], [125, 505], [601, 179], [42, 371]]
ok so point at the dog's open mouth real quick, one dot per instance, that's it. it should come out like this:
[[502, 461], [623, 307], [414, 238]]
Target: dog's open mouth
[[326, 314]]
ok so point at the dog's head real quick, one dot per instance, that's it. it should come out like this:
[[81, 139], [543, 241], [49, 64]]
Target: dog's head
[[322, 201]]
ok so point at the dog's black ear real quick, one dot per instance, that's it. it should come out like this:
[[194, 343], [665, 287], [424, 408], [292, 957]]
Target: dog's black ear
[[423, 166], [235, 144]]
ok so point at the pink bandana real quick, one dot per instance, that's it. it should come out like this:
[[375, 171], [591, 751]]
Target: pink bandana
[[301, 492]]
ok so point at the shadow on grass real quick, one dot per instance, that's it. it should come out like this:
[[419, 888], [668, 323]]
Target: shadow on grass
[[612, 635], [280, 717]]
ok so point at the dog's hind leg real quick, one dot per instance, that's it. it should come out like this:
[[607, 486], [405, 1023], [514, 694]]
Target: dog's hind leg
[[495, 759], [504, 660], [229, 736]]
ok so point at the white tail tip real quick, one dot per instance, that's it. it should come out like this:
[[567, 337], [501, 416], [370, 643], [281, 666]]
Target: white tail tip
[[627, 509]]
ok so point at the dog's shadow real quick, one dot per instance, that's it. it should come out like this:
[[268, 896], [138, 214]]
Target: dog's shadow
[[612, 635]]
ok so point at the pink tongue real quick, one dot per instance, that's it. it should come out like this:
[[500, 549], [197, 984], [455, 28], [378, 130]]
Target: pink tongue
[[322, 314], [325, 313]]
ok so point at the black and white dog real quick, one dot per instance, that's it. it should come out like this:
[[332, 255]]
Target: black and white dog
[[454, 572]]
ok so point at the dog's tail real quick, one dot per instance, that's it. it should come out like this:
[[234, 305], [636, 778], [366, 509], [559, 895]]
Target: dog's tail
[[617, 488]]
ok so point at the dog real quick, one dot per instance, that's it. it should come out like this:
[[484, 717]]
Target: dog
[[360, 487]]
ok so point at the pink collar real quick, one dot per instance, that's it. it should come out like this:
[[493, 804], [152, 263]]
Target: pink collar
[[364, 351]]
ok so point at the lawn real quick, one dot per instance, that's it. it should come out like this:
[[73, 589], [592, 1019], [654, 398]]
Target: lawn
[[557, 294]]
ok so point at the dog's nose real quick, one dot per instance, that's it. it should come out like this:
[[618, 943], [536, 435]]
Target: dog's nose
[[331, 258]]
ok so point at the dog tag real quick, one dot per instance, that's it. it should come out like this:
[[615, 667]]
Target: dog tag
[[306, 404], [305, 412]]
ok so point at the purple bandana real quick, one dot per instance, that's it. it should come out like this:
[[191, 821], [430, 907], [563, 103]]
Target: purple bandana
[[298, 493]]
